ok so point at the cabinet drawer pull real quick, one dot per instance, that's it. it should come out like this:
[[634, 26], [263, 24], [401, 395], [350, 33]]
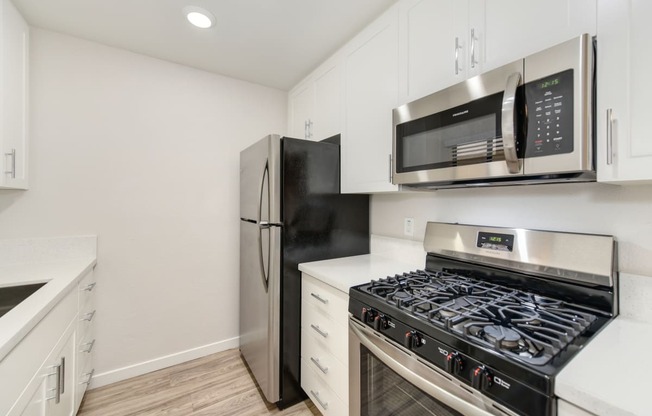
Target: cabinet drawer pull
[[319, 298], [321, 368], [57, 388], [316, 395], [319, 331], [473, 39], [88, 316], [89, 375], [458, 46], [89, 287], [89, 348]]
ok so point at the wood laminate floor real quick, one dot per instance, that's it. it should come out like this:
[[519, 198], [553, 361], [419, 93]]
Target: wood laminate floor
[[219, 384]]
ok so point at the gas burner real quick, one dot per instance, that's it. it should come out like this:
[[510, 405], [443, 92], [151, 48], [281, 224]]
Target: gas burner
[[501, 337]]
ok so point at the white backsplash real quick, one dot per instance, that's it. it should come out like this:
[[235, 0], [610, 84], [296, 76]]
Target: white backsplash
[[635, 292], [397, 248], [53, 249]]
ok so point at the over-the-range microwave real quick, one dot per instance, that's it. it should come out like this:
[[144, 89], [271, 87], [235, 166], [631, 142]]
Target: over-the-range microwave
[[530, 121]]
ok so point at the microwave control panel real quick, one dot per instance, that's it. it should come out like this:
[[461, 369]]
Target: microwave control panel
[[550, 115]]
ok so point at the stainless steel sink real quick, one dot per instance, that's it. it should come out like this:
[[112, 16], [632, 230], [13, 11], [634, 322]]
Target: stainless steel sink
[[13, 295]]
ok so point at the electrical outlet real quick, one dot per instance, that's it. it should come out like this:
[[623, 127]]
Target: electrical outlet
[[408, 227]]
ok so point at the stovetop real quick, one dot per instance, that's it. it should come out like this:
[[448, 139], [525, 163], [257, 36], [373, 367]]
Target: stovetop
[[527, 327]]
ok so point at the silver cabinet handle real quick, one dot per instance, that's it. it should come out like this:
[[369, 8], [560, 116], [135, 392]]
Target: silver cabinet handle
[[306, 127], [457, 55], [610, 136], [319, 298], [12, 172], [473, 48], [88, 317], [319, 331], [62, 375], [316, 362], [89, 375], [57, 387], [89, 287], [509, 131], [90, 346], [391, 173], [316, 396]]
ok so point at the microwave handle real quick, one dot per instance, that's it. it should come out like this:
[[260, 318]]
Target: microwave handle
[[509, 130]]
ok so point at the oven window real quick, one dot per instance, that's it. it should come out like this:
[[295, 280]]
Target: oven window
[[385, 393]]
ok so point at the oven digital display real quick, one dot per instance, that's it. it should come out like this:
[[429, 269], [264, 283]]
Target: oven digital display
[[492, 241]]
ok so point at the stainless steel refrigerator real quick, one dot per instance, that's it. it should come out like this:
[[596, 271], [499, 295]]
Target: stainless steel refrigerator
[[291, 211]]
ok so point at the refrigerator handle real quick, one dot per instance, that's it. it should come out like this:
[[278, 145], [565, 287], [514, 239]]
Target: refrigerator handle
[[262, 225]]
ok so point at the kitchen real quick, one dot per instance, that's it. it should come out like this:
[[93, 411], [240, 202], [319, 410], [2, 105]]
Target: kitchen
[[106, 159]]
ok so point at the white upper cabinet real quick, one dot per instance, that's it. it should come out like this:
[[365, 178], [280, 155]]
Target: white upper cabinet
[[315, 105], [624, 139], [371, 93], [447, 41], [434, 46], [517, 28], [14, 43]]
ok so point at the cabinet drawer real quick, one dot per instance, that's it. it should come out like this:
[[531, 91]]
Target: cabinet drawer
[[83, 378], [325, 298], [321, 395], [86, 290], [25, 360], [334, 373], [330, 335]]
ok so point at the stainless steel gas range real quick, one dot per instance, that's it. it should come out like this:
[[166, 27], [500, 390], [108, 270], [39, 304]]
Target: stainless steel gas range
[[485, 327]]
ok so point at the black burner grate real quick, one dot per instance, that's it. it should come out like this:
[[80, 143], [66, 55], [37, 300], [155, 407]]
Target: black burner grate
[[529, 327]]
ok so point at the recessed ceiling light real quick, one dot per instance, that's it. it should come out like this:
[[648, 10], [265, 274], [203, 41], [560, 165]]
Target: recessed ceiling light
[[199, 17]]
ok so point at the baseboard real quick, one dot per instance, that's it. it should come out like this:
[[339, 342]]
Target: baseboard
[[119, 374]]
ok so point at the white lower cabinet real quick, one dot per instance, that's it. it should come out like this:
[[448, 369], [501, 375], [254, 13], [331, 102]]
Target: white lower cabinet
[[324, 346], [48, 372]]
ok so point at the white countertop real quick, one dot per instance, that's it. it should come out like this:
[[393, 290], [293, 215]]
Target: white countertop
[[61, 275], [608, 376], [342, 273]]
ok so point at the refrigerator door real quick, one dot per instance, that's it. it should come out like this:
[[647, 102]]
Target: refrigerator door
[[260, 181], [260, 256]]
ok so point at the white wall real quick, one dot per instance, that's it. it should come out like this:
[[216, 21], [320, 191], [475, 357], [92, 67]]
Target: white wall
[[143, 153], [625, 212]]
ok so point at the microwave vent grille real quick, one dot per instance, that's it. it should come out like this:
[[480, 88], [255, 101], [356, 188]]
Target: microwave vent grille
[[480, 151]]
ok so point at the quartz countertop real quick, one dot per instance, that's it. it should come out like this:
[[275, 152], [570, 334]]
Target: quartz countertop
[[608, 376], [344, 272], [34, 264]]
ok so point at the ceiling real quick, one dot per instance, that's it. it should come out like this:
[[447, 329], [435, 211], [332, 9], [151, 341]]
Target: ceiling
[[270, 42]]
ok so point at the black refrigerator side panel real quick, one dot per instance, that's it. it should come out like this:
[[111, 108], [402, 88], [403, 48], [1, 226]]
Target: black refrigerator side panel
[[318, 224]]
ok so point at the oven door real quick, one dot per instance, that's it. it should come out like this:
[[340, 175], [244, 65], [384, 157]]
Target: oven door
[[469, 131], [385, 379]]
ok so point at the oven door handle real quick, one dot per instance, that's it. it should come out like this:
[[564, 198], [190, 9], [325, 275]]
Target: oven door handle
[[421, 383], [508, 124]]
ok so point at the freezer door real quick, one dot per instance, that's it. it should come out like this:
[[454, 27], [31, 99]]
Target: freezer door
[[260, 304], [260, 181]]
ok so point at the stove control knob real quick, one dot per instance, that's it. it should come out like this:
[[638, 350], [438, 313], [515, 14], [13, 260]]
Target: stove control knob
[[412, 340], [381, 322], [368, 315], [454, 363], [482, 378]]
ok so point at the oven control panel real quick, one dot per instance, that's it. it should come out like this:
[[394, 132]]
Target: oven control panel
[[465, 369], [550, 115]]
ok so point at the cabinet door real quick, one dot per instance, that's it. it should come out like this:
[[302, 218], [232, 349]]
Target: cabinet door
[[624, 143], [65, 361], [371, 93], [14, 61], [328, 101], [302, 101], [515, 29], [429, 33]]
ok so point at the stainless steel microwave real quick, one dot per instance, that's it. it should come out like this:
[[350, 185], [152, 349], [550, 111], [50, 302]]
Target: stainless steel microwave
[[530, 121]]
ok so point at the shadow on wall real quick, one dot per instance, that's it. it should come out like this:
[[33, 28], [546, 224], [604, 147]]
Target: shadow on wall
[[9, 197]]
